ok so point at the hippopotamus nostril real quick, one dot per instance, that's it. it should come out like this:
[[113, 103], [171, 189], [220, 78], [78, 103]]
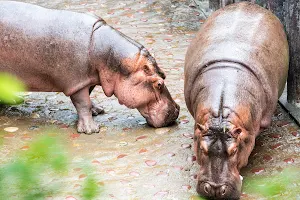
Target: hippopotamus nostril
[[223, 190], [207, 188], [172, 116]]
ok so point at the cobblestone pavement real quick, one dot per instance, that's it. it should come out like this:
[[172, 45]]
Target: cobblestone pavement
[[135, 161]]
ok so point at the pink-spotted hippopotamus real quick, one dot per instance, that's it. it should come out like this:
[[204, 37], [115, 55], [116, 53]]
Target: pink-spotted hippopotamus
[[235, 71], [69, 52]]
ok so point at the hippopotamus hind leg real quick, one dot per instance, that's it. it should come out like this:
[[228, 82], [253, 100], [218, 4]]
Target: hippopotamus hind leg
[[96, 110], [83, 105]]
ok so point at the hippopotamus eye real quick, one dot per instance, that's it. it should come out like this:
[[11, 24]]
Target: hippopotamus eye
[[159, 84], [236, 132]]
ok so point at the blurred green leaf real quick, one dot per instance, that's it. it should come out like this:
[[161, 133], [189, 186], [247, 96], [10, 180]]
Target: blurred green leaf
[[46, 151], [9, 86], [27, 176], [90, 188], [283, 183]]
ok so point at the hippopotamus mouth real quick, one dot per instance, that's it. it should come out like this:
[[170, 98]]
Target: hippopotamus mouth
[[224, 190], [218, 152]]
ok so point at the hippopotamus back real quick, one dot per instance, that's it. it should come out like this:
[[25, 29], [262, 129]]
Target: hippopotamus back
[[247, 34]]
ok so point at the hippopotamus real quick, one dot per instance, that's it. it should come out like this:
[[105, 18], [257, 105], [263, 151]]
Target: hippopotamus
[[63, 51], [235, 70]]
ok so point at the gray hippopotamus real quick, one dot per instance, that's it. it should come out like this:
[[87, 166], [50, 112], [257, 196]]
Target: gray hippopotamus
[[235, 71], [69, 52]]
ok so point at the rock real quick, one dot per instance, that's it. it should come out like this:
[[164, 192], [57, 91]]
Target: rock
[[11, 129]]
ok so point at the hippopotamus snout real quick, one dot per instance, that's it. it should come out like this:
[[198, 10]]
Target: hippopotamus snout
[[168, 114], [162, 111], [218, 191], [217, 153]]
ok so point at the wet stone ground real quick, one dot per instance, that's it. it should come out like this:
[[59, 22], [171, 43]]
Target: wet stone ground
[[135, 161]]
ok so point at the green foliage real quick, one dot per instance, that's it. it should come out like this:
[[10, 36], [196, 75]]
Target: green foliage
[[90, 188], [9, 86], [47, 150], [284, 184], [24, 178], [29, 176]]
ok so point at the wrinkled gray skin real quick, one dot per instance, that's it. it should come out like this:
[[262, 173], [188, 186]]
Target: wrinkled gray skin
[[63, 51], [235, 71]]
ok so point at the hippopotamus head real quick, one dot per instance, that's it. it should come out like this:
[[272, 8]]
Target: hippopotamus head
[[128, 71], [145, 90], [133, 76], [222, 149]]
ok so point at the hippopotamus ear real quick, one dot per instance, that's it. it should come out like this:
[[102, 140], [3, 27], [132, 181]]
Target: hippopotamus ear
[[202, 128], [235, 132]]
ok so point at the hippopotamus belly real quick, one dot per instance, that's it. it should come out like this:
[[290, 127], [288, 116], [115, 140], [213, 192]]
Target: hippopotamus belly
[[235, 71]]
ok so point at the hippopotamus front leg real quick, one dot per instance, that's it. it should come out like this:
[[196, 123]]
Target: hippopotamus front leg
[[83, 105], [96, 110]]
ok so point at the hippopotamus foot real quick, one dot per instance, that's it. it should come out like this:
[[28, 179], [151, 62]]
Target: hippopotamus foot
[[83, 105], [87, 125], [97, 110]]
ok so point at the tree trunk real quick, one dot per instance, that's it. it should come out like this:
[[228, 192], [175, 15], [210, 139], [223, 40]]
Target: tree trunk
[[292, 24], [288, 11], [214, 4]]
